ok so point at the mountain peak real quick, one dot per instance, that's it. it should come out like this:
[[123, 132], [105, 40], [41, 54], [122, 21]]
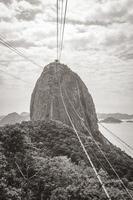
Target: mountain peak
[[13, 114], [11, 118], [56, 66], [46, 100]]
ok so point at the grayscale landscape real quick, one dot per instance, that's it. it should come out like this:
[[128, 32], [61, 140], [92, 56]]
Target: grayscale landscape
[[66, 100]]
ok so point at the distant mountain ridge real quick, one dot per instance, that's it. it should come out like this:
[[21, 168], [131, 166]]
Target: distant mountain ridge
[[119, 116], [14, 118]]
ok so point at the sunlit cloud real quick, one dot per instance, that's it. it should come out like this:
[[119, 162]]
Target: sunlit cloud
[[97, 45]]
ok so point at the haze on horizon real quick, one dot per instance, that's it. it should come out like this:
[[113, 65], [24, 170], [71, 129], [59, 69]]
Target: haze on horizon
[[98, 46]]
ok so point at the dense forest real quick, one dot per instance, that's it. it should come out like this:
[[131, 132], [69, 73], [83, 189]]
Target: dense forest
[[44, 161]]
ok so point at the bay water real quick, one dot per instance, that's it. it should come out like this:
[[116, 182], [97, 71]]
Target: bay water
[[123, 130]]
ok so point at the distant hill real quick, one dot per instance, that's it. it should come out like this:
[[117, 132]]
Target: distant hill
[[25, 114], [114, 115], [1, 117], [14, 118], [111, 120]]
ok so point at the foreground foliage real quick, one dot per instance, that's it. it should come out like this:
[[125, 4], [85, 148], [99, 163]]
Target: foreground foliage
[[43, 161]]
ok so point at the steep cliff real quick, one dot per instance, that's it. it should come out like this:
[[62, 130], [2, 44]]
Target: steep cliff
[[46, 101]]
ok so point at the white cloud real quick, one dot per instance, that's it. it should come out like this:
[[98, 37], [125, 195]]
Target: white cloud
[[95, 12], [5, 12], [24, 5], [97, 45]]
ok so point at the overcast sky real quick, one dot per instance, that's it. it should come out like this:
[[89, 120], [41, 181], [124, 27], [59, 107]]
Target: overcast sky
[[98, 46]]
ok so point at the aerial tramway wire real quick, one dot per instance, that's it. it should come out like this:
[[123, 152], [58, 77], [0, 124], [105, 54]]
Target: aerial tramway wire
[[16, 77], [63, 29], [77, 135], [97, 159], [18, 52], [61, 20], [57, 24], [82, 145], [105, 157], [122, 141], [126, 146]]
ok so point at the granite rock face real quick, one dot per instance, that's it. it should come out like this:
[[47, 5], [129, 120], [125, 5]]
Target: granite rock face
[[47, 104]]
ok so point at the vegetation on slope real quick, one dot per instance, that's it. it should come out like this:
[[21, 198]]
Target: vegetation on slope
[[43, 161]]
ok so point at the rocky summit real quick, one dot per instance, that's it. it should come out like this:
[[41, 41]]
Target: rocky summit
[[47, 104]]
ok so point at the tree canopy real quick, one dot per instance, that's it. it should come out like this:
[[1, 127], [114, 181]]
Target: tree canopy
[[43, 161]]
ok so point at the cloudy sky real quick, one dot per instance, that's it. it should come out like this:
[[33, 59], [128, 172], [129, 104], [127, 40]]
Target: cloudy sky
[[98, 46]]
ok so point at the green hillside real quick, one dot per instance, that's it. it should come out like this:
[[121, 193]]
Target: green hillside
[[44, 161]]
